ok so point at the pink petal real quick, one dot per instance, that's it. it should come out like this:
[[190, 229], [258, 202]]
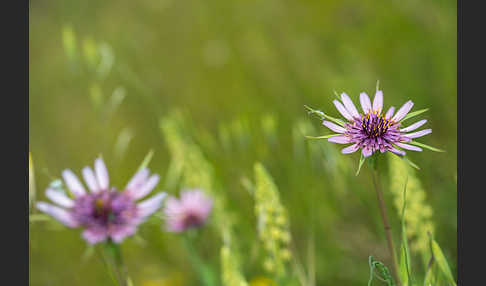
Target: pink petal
[[138, 179], [90, 179], [342, 139], [340, 107], [102, 174], [149, 206], [414, 126], [409, 147], [403, 111], [119, 233], [350, 149], [95, 235], [333, 127], [58, 213], [146, 188], [398, 152], [73, 183], [365, 102], [419, 133], [348, 103], [366, 152], [389, 113], [378, 101], [59, 198]]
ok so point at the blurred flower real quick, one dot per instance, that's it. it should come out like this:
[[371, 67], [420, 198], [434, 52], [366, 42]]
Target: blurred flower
[[192, 210], [103, 212], [373, 130]]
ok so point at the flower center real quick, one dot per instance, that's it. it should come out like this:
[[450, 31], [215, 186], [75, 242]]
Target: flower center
[[374, 124], [104, 208]]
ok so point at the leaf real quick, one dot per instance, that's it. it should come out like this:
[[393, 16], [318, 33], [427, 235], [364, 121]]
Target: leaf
[[325, 116], [442, 262], [405, 265], [146, 160], [410, 162], [361, 161], [321, 137], [385, 275], [413, 114], [425, 146]]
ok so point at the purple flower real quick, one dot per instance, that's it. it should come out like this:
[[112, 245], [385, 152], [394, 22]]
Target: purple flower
[[103, 212], [192, 210], [373, 130]]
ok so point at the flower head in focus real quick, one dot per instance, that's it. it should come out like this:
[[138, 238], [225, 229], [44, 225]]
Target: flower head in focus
[[103, 211], [190, 211], [374, 130]]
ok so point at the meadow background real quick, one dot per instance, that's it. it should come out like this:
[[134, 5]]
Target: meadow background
[[233, 77]]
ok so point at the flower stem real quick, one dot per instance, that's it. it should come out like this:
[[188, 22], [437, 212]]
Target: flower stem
[[113, 257], [205, 272], [386, 224]]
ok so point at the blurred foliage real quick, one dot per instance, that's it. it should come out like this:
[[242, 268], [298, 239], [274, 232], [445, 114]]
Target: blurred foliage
[[227, 81]]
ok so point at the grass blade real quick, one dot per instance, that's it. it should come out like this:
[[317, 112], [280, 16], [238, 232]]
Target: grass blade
[[442, 262], [361, 161], [322, 115], [146, 160], [425, 146], [413, 114], [321, 137]]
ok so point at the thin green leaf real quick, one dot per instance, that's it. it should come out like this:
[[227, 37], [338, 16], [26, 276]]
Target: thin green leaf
[[405, 265], [425, 146], [413, 114], [442, 262], [322, 115], [146, 160], [321, 137], [409, 162], [361, 161], [377, 85]]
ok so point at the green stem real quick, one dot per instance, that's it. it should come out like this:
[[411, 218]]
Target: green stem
[[113, 257], [205, 272], [386, 224]]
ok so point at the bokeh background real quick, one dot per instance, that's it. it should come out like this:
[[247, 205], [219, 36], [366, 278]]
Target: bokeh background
[[103, 74]]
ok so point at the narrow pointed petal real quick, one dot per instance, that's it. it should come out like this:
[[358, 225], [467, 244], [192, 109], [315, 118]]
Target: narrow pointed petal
[[409, 147], [340, 107], [90, 179], [350, 149], [339, 139], [118, 234], [102, 174], [378, 101], [93, 236], [138, 179], [389, 113], [73, 183], [414, 126], [365, 102], [397, 151], [403, 111], [149, 206], [333, 127], [419, 133], [58, 213], [59, 198], [146, 188], [348, 103], [367, 152]]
